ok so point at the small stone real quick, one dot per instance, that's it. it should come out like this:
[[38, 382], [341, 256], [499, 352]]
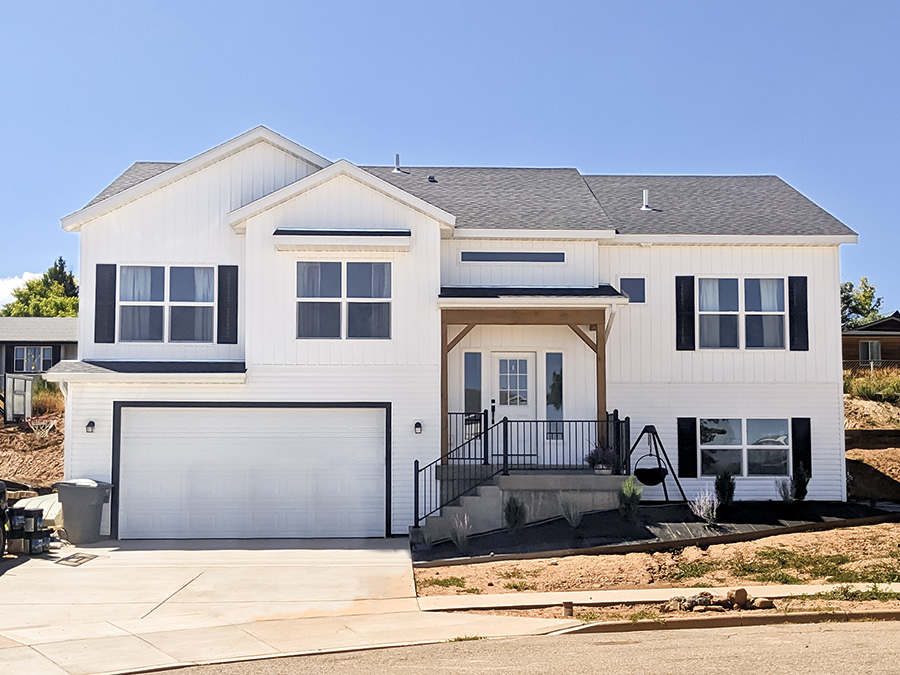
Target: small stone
[[490, 583], [763, 603], [739, 597], [708, 608], [672, 605]]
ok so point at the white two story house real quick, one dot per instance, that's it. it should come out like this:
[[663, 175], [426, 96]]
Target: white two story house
[[270, 340]]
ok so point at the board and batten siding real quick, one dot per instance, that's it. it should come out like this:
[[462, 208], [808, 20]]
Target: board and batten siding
[[579, 268], [412, 391], [182, 223], [641, 345], [271, 280]]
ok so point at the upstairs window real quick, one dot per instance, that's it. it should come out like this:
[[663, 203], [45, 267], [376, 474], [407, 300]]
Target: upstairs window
[[513, 256], [634, 289], [32, 359], [725, 307], [343, 300], [764, 313], [156, 307], [718, 311]]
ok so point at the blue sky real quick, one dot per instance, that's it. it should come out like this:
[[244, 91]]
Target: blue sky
[[804, 90]]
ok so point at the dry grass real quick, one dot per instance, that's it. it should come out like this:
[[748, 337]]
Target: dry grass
[[880, 385]]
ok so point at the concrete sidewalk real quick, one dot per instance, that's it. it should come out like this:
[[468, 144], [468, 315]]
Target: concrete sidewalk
[[123, 646], [438, 603]]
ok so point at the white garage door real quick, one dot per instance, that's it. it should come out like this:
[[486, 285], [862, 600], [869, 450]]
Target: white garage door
[[215, 473]]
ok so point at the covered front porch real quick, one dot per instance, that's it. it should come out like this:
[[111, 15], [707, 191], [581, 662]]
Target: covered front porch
[[523, 391]]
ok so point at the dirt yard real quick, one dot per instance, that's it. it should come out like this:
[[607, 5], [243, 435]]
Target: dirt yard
[[25, 458], [862, 414], [860, 554]]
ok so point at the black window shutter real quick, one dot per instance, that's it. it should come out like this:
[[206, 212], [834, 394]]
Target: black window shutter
[[801, 439], [55, 354], [684, 313], [687, 447], [227, 328], [105, 304], [797, 314]]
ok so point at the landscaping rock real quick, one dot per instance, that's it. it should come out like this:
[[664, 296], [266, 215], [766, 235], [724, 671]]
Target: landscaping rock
[[708, 608], [674, 604], [762, 603], [739, 597]]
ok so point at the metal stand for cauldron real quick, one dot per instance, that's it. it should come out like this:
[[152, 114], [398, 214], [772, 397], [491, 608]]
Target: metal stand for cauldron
[[657, 450]]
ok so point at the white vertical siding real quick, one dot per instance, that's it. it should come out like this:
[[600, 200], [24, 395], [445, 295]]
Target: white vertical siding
[[181, 223], [579, 269]]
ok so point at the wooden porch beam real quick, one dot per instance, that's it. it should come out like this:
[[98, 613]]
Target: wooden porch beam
[[580, 333], [445, 383], [600, 320], [520, 317], [459, 337]]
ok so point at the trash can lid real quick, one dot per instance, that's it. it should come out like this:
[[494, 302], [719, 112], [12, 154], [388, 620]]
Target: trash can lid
[[81, 482]]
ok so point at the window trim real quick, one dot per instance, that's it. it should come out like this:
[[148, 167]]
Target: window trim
[[742, 313], [344, 300], [166, 304], [744, 446], [44, 367], [869, 358]]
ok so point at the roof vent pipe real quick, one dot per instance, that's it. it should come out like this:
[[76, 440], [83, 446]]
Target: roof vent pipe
[[396, 168], [646, 206]]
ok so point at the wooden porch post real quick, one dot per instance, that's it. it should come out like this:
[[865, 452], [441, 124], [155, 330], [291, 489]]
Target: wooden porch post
[[445, 377], [601, 366]]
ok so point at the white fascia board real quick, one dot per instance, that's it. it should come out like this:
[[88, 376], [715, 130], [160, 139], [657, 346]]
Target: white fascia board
[[239, 217], [476, 233], [150, 378], [74, 221], [534, 302], [736, 239], [348, 243]]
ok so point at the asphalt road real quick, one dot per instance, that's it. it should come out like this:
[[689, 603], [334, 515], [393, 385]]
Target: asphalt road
[[820, 649]]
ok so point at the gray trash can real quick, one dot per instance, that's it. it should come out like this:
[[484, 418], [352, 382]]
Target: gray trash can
[[82, 502]]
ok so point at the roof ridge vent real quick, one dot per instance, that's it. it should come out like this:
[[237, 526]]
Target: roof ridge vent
[[396, 168], [646, 206]]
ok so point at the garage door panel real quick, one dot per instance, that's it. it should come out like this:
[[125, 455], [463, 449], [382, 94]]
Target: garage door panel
[[232, 472]]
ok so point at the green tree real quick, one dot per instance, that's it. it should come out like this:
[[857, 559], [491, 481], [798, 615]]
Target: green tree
[[859, 305], [53, 294]]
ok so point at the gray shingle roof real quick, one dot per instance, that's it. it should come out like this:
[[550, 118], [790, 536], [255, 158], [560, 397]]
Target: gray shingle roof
[[887, 324], [493, 198], [556, 199], [716, 205], [136, 173], [38, 329]]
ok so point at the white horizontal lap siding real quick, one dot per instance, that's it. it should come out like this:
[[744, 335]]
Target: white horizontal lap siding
[[579, 269], [271, 280], [579, 366], [641, 347], [662, 404], [414, 394], [181, 223]]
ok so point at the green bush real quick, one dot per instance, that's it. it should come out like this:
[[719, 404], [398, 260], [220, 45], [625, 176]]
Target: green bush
[[514, 513], [725, 489], [799, 481], [629, 498]]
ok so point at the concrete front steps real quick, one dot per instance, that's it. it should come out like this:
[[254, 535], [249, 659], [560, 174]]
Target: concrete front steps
[[542, 493]]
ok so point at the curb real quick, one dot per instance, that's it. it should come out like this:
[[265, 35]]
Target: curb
[[737, 621]]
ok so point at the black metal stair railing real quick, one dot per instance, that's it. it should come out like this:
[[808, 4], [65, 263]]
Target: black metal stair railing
[[480, 452]]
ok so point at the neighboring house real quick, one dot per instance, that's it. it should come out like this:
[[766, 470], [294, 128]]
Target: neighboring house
[[871, 344], [31, 346], [271, 339]]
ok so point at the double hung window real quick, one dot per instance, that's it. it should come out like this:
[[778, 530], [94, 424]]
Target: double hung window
[[32, 359], [726, 306], [174, 304], [343, 300], [744, 447], [870, 351]]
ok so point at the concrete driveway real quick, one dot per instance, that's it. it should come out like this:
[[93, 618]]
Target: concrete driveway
[[232, 580]]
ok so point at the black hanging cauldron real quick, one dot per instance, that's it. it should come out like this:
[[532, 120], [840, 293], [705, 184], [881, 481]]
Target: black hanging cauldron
[[650, 475]]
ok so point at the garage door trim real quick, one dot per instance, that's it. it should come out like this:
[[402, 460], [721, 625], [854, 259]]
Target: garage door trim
[[117, 441]]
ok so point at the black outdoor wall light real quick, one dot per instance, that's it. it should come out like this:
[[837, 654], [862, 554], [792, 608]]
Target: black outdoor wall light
[[418, 427], [89, 428]]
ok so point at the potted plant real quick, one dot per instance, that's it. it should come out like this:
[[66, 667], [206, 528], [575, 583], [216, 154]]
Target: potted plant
[[601, 459]]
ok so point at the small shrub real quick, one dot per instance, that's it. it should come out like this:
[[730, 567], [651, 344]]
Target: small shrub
[[785, 490], [643, 614], [571, 510], [465, 638], [445, 582], [799, 481], [692, 570], [601, 456], [725, 489], [46, 398], [516, 573], [629, 498], [705, 506], [459, 533], [514, 513], [518, 586]]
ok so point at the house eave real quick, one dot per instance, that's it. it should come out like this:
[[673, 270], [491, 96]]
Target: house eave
[[736, 239], [559, 235], [532, 302]]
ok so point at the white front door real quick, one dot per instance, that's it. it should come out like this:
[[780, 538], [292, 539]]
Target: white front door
[[513, 385]]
